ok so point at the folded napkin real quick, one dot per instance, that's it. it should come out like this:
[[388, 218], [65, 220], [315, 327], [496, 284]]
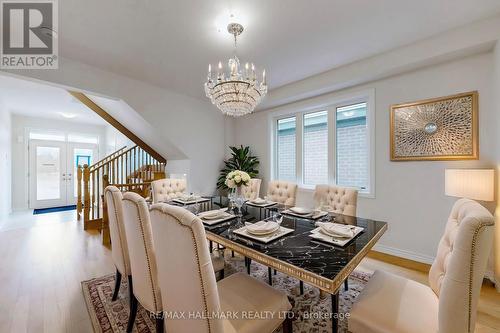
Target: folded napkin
[[188, 197], [262, 227], [259, 201], [338, 230], [213, 213], [301, 210]]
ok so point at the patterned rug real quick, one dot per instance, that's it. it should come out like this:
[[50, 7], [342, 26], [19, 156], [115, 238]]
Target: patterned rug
[[312, 313]]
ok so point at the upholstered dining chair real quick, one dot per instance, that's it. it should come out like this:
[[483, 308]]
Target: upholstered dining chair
[[282, 192], [342, 200], [119, 249], [390, 303], [145, 288], [167, 189], [185, 275], [252, 190]]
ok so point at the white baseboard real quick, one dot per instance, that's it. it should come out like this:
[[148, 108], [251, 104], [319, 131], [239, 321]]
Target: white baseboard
[[404, 254]]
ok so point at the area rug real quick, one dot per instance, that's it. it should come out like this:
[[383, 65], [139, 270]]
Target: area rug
[[311, 312]]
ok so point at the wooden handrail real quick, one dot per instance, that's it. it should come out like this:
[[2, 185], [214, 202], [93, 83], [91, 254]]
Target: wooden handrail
[[105, 159], [130, 169], [116, 124], [116, 156]]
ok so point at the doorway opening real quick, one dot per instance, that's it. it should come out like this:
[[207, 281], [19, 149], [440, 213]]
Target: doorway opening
[[53, 162]]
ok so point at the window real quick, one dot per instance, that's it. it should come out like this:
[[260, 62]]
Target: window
[[315, 148], [352, 146], [49, 136], [286, 149], [330, 144]]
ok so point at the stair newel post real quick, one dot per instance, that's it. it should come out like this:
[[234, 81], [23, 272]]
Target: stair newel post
[[106, 238], [86, 196], [79, 174]]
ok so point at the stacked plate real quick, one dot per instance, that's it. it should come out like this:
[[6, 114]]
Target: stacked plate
[[215, 216], [301, 211], [262, 228]]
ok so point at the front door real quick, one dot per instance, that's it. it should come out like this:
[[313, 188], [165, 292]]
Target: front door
[[53, 171]]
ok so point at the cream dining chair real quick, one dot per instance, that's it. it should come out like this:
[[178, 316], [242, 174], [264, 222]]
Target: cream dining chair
[[341, 200], [167, 189], [252, 190], [391, 303], [282, 192], [145, 288], [119, 249], [186, 276]]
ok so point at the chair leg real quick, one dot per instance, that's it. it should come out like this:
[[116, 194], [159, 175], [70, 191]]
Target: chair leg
[[287, 325], [133, 313], [301, 286], [118, 280], [249, 264], [130, 292], [159, 324], [221, 274], [270, 276], [275, 272], [232, 254], [346, 285]]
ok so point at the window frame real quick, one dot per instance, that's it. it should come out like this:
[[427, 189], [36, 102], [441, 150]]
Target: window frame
[[330, 103]]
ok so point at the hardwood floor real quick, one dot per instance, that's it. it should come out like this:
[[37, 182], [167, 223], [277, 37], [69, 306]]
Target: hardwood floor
[[44, 259]]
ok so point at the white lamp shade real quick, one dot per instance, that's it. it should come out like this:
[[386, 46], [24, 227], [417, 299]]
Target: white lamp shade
[[476, 184]]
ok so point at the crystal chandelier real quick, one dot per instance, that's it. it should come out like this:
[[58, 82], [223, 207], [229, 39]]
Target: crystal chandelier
[[238, 92]]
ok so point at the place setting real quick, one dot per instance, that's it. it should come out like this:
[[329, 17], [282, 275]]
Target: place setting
[[261, 203], [306, 213], [335, 233], [264, 231], [189, 199], [215, 216]]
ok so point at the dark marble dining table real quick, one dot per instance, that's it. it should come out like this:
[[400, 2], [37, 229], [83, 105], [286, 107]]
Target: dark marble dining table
[[316, 263]]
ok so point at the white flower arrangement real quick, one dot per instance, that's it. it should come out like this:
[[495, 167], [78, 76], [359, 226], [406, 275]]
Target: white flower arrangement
[[237, 178]]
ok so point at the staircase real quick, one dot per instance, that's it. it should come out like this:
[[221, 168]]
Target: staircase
[[129, 169]]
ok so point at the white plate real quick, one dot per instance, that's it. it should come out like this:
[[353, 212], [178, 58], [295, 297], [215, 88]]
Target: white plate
[[212, 215], [280, 232], [259, 201], [333, 234], [262, 232], [301, 211]]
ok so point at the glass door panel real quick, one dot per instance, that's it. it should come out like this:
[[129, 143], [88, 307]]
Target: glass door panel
[[48, 165]]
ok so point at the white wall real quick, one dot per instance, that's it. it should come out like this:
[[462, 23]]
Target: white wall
[[19, 149], [5, 162], [115, 140], [409, 195], [194, 126]]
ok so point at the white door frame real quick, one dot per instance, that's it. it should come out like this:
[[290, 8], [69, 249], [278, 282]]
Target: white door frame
[[67, 172]]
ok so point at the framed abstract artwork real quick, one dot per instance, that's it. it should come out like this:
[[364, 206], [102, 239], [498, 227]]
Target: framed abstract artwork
[[444, 128]]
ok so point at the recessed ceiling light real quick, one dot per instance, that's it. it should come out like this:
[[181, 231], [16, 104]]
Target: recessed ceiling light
[[68, 115]]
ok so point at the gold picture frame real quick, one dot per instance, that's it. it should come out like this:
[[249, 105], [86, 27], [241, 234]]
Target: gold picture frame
[[436, 129]]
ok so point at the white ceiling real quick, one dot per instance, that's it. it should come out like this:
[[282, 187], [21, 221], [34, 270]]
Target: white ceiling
[[170, 43], [33, 99]]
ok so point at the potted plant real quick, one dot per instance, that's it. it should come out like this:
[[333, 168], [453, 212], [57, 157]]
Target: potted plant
[[241, 160]]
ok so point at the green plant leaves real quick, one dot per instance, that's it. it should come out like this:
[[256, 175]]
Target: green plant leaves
[[241, 159]]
